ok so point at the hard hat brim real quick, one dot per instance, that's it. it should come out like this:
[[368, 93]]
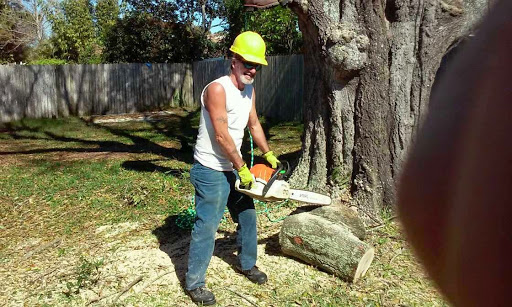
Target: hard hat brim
[[250, 58]]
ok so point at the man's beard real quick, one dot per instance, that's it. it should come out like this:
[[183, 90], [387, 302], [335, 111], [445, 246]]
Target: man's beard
[[246, 80]]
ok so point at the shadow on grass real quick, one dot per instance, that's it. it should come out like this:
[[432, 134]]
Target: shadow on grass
[[177, 127], [174, 241], [150, 167]]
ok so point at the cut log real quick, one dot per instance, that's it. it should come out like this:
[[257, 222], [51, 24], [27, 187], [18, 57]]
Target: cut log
[[341, 214], [327, 245]]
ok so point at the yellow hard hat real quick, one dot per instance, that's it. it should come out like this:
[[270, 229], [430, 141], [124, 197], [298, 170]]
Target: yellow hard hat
[[250, 46]]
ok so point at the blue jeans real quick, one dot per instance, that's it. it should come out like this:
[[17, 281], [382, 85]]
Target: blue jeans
[[213, 191]]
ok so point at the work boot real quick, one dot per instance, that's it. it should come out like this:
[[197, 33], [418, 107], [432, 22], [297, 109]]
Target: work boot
[[202, 296], [255, 275], [262, 4]]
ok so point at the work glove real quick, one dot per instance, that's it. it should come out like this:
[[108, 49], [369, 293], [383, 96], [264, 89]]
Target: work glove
[[246, 178], [271, 159]]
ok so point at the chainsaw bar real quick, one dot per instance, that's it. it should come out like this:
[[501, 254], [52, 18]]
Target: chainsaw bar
[[310, 197], [281, 191], [277, 189]]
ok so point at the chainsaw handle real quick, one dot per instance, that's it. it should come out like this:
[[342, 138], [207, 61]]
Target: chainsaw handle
[[286, 167], [282, 171], [239, 186], [245, 187]]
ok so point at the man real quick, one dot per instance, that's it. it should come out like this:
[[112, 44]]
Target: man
[[456, 189], [227, 107]]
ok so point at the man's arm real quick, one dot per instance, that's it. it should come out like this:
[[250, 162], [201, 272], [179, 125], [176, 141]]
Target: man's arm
[[258, 135], [215, 103]]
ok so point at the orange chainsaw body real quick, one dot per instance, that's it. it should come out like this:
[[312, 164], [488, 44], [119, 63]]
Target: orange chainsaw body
[[262, 171]]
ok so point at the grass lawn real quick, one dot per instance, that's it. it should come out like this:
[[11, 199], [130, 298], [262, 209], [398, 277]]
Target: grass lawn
[[89, 216]]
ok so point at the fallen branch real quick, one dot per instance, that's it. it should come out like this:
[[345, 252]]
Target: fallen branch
[[44, 275], [396, 255], [97, 299], [155, 279], [42, 248], [133, 283], [376, 227], [240, 295], [383, 224]]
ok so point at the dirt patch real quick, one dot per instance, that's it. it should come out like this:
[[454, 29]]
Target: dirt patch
[[133, 117], [26, 159], [153, 268]]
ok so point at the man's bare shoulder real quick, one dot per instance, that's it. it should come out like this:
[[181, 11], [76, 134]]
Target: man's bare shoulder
[[214, 97], [214, 90]]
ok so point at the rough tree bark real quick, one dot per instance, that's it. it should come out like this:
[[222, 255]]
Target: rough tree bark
[[327, 244], [370, 66]]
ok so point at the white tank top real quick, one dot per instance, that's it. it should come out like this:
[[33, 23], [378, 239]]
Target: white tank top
[[238, 106]]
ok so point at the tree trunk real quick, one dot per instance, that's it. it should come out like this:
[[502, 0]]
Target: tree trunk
[[325, 244], [370, 66]]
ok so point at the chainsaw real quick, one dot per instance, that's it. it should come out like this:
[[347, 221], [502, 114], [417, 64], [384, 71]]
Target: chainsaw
[[271, 185]]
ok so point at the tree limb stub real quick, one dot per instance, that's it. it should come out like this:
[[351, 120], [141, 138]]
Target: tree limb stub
[[348, 48]]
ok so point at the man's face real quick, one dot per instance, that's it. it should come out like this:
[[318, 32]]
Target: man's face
[[246, 70]]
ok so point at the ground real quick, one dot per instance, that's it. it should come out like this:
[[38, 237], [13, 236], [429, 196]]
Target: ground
[[89, 213]]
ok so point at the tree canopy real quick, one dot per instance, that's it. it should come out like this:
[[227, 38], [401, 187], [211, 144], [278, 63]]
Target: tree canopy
[[278, 26], [85, 31]]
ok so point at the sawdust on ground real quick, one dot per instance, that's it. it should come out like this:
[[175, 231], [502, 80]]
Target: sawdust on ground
[[131, 252]]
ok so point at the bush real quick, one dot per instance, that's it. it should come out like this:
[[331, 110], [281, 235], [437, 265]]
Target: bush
[[48, 62]]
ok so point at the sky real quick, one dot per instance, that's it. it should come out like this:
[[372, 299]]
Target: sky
[[214, 28]]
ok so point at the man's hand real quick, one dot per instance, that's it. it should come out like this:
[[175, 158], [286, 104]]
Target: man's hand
[[272, 159], [246, 178]]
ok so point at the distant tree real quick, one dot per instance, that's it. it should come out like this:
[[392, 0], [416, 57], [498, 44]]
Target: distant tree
[[43, 52], [198, 17], [163, 32], [165, 11], [200, 12], [278, 26], [39, 19], [143, 38], [17, 30], [106, 14], [74, 37], [234, 16]]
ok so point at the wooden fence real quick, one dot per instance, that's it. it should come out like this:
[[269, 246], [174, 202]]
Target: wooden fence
[[55, 91], [279, 86], [52, 91]]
